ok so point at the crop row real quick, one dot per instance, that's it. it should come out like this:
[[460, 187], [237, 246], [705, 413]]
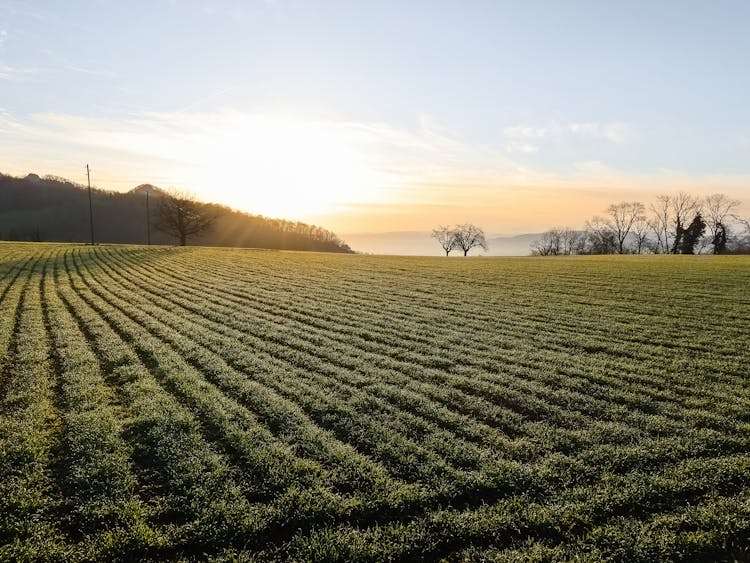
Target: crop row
[[165, 403]]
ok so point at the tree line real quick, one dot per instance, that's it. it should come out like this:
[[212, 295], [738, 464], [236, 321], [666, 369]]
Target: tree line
[[51, 208], [672, 224], [180, 215]]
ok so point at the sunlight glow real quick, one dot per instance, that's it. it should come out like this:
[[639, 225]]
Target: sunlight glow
[[277, 166]]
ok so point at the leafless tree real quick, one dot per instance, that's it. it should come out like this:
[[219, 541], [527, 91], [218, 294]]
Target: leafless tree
[[661, 223], [600, 238], [640, 232], [620, 219], [744, 222], [717, 210], [556, 241], [548, 244], [469, 236], [446, 237], [180, 215], [742, 240], [671, 214], [569, 240], [684, 208]]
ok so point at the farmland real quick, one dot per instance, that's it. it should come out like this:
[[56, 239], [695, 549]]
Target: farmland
[[166, 403]]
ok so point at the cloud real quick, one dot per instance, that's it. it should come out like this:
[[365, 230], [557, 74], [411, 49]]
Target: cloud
[[593, 166], [515, 146], [613, 132], [60, 63], [527, 132], [3, 37], [15, 73]]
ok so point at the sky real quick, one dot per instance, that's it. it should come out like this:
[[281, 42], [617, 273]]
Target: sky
[[375, 116]]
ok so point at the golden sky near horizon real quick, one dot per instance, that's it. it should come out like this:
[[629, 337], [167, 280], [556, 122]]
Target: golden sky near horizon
[[347, 176]]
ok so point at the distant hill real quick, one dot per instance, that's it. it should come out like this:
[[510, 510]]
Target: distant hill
[[419, 243], [54, 209], [144, 189]]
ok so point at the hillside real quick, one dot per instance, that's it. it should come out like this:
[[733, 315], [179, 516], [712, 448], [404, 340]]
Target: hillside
[[185, 403], [55, 209]]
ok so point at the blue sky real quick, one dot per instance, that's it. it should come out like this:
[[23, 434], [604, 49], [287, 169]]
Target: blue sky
[[427, 104]]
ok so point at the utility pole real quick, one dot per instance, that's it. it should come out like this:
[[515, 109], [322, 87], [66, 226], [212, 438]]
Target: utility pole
[[91, 207], [148, 221]]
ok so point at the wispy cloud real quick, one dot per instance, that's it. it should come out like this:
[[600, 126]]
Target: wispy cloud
[[528, 138], [16, 73], [60, 63], [54, 64], [8, 72], [524, 147], [3, 37]]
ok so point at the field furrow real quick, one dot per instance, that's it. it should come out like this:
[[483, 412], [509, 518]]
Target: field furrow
[[185, 403], [524, 366], [29, 431]]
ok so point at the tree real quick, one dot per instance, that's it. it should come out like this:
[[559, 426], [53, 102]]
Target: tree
[[717, 208], [446, 237], [741, 241], [600, 238], [641, 228], [691, 235], [683, 206], [660, 223], [719, 239], [621, 218], [180, 215], [469, 236], [570, 240], [548, 244], [556, 241]]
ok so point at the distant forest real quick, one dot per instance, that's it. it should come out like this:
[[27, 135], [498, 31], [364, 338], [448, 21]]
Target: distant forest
[[54, 209]]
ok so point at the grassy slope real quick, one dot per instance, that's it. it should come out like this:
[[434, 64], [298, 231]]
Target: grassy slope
[[162, 402]]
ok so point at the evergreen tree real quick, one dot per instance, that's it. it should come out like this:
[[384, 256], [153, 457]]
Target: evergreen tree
[[692, 235]]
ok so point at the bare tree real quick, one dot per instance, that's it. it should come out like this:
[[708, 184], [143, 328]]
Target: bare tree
[[556, 241], [621, 217], [661, 223], [717, 209], [600, 238], [684, 206], [180, 215], [446, 237], [640, 231], [548, 244], [469, 236], [569, 240], [745, 222], [742, 240]]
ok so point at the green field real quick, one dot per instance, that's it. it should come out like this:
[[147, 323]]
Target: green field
[[167, 403]]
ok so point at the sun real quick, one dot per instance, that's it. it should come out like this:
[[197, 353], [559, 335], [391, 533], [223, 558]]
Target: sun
[[280, 166]]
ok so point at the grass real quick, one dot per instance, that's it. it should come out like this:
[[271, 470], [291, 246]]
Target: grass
[[223, 404]]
